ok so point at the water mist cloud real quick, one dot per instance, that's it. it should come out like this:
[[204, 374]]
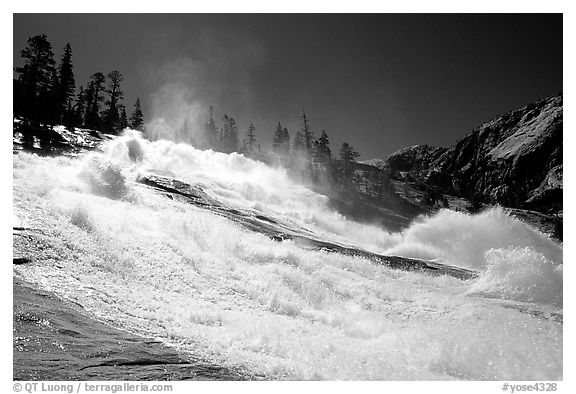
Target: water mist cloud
[[215, 72]]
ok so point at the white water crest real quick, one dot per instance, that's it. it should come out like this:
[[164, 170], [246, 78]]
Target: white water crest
[[202, 283]]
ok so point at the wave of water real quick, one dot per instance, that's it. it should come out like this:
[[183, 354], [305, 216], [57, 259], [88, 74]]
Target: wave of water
[[197, 281]]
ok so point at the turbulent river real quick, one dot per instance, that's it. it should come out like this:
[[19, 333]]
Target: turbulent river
[[207, 286]]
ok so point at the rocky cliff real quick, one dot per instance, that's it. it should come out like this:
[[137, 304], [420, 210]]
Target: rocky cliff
[[514, 160]]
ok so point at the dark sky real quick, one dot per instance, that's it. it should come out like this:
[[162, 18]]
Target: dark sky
[[378, 81]]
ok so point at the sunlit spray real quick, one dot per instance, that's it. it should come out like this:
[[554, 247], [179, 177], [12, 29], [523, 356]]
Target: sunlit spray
[[205, 285]]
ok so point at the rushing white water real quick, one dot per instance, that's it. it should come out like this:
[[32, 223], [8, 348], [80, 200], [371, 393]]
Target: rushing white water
[[200, 282]]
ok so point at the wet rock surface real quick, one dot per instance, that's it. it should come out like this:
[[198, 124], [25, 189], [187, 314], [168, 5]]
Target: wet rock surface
[[282, 231], [53, 339]]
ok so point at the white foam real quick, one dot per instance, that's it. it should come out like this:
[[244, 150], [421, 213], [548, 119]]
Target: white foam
[[451, 237], [463, 239], [197, 281], [521, 274]]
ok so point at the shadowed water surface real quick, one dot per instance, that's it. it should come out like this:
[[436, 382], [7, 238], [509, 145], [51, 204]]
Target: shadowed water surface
[[56, 340]]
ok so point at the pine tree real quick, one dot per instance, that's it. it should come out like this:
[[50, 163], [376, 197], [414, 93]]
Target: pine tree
[[50, 109], [115, 94], [94, 97], [221, 138], [285, 146], [281, 143], [123, 118], [211, 132], [223, 134], [35, 78], [17, 98], [322, 153], [302, 150], [299, 143], [250, 141], [348, 156], [67, 85], [137, 117], [307, 133], [278, 139], [230, 135], [80, 108]]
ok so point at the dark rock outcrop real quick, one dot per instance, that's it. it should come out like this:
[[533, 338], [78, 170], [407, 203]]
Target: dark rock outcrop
[[514, 160]]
